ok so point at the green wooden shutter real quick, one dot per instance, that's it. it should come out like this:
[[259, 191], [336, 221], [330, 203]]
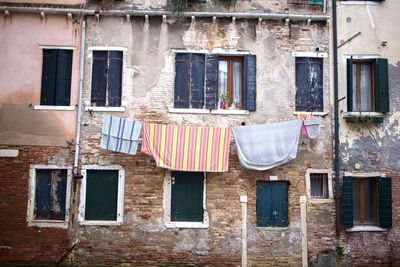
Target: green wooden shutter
[[211, 81], [385, 202], [272, 204], [42, 195], [349, 69], [381, 85], [114, 78], [347, 202], [250, 77], [197, 80], [63, 78], [182, 80], [101, 195], [99, 78], [187, 196], [49, 70]]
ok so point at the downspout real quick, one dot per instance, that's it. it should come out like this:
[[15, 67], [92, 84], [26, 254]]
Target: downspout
[[336, 120], [79, 115]]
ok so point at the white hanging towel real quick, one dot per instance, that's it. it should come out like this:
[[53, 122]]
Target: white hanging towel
[[120, 134], [313, 127], [264, 146]]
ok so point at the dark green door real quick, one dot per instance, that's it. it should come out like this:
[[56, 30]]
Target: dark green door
[[272, 204], [187, 196]]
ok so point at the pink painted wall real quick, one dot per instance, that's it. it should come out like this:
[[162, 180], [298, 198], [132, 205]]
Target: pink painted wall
[[21, 38], [59, 2]]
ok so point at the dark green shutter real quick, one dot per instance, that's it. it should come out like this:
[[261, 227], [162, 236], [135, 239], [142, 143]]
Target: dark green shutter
[[49, 71], [385, 202], [187, 196], [349, 84], [114, 78], [61, 194], [381, 85], [197, 81], [63, 78], [347, 202], [250, 76], [211, 81], [272, 204], [182, 80], [101, 195], [99, 78]]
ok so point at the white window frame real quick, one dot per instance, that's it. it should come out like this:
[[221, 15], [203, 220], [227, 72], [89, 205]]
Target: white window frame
[[50, 107], [120, 199], [31, 197], [88, 103], [308, 186], [167, 207]]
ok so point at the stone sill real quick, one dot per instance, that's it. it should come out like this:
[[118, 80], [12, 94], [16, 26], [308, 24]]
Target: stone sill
[[320, 200], [59, 108], [273, 228], [363, 117], [206, 111], [366, 228], [105, 109], [101, 223], [321, 114], [349, 3], [193, 225], [49, 224]]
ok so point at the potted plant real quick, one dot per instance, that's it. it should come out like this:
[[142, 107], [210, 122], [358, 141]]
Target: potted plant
[[223, 100]]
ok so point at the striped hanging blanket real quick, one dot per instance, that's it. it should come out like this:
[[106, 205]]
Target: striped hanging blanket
[[187, 148], [120, 134]]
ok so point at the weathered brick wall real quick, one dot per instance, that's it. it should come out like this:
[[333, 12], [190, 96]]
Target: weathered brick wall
[[18, 242]]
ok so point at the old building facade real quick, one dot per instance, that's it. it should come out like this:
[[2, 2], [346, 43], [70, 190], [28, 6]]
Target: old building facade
[[214, 67]]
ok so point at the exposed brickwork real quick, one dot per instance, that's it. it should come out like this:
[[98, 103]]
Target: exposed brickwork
[[18, 242]]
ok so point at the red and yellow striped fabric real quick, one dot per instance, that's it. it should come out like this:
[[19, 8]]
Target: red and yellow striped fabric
[[187, 148]]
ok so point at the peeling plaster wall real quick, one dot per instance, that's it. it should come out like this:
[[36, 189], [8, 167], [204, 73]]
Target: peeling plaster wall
[[21, 36], [147, 94], [375, 146]]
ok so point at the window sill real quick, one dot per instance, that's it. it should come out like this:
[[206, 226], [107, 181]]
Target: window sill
[[48, 224], [349, 3], [366, 228], [320, 200], [194, 225], [375, 117], [100, 223], [61, 108], [273, 228], [321, 114], [206, 111], [105, 109]]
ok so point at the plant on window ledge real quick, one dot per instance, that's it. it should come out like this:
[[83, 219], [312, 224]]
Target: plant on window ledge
[[179, 6], [223, 100]]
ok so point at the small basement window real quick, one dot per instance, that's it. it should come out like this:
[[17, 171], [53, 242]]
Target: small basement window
[[319, 185]]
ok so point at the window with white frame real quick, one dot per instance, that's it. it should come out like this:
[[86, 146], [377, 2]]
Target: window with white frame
[[102, 195], [184, 200], [319, 184], [48, 204]]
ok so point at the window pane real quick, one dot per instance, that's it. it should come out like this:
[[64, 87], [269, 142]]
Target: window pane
[[50, 194], [365, 87], [356, 201], [355, 107], [319, 185], [101, 195], [369, 200], [237, 83], [222, 77]]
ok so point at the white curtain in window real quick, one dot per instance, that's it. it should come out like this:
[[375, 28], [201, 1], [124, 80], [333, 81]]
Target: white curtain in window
[[237, 83], [365, 87], [222, 77]]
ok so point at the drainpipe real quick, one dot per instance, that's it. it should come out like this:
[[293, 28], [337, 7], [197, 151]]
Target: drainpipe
[[336, 121], [79, 115]]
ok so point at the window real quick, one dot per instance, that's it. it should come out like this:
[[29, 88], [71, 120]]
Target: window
[[201, 79], [106, 78], [367, 201], [367, 85], [56, 77], [184, 194], [272, 204], [102, 195], [319, 185], [309, 84], [49, 196]]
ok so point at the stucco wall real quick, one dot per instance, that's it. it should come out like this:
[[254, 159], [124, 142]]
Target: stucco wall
[[22, 36]]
